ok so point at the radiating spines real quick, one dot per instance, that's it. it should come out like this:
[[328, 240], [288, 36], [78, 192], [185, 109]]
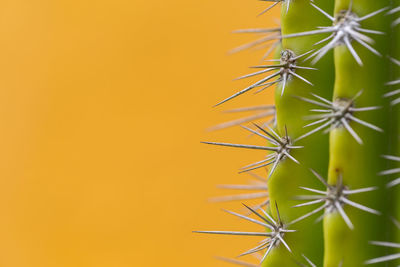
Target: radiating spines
[[334, 114], [395, 92], [389, 257], [272, 238], [264, 112], [285, 68], [289, 66], [280, 149], [271, 39], [258, 189], [391, 171], [333, 199], [346, 28]]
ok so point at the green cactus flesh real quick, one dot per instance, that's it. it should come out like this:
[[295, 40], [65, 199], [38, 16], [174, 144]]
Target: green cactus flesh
[[331, 141]]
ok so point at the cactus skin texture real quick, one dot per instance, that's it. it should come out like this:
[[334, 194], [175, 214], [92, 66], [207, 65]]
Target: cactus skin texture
[[359, 164], [334, 152], [284, 183]]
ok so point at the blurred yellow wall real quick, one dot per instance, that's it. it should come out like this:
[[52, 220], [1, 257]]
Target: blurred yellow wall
[[103, 105]]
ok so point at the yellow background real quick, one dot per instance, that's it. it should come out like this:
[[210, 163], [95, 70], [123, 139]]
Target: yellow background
[[103, 105]]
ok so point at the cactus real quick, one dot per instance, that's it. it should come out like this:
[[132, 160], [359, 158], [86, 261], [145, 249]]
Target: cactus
[[331, 142]]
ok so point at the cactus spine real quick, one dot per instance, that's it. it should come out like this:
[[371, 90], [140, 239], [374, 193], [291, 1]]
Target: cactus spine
[[334, 146]]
